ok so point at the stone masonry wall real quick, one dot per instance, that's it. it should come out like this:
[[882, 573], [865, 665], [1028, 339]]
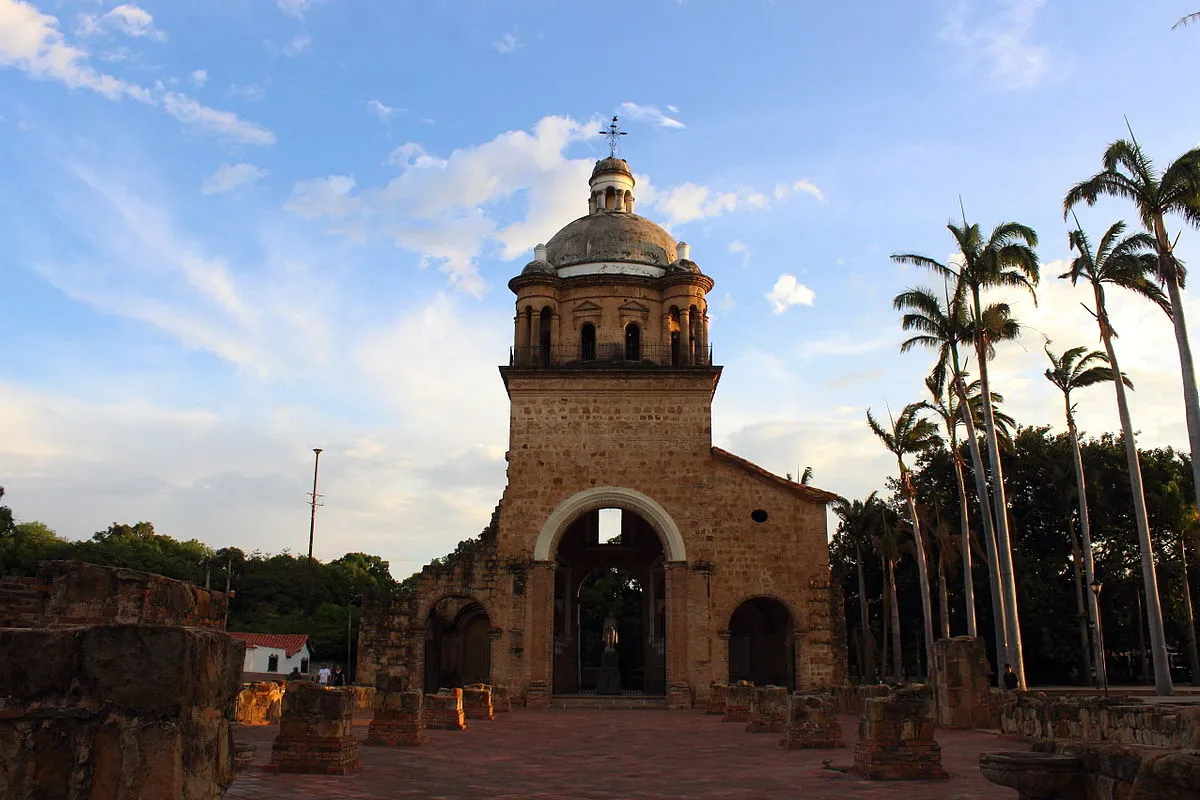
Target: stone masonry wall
[[71, 593], [260, 703], [117, 711], [812, 722], [316, 731], [769, 712], [1116, 720], [398, 719], [895, 738], [961, 687]]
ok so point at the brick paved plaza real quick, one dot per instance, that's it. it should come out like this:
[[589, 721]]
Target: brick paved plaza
[[613, 754]]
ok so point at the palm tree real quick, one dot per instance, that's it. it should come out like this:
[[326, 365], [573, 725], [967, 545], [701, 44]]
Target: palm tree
[[909, 434], [1127, 263], [1186, 19], [1005, 259], [1078, 368], [1129, 174], [943, 326], [1184, 519], [860, 519]]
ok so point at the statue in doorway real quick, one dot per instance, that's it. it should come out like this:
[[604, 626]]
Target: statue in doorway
[[610, 637]]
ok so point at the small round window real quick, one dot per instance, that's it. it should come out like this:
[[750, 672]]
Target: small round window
[[758, 515]]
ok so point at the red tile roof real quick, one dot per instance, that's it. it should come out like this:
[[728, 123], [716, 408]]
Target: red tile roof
[[289, 643]]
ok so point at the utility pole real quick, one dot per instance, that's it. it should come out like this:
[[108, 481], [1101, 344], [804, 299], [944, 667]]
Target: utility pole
[[312, 523]]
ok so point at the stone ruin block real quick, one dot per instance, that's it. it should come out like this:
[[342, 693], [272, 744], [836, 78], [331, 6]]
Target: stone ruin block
[[769, 710], [895, 738], [477, 701], [679, 697], [812, 722], [962, 686], [398, 720], [716, 697], [132, 712], [316, 731], [537, 695], [739, 697], [500, 699], [259, 703], [444, 710]]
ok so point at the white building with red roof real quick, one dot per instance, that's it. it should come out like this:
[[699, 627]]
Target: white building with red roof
[[274, 655]]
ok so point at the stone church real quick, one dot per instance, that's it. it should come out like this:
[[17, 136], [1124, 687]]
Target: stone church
[[627, 555]]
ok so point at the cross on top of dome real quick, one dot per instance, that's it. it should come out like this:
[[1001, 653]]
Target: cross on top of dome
[[612, 132]]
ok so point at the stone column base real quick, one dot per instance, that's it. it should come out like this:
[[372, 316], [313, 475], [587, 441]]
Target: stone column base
[[334, 755], [679, 697], [537, 695]]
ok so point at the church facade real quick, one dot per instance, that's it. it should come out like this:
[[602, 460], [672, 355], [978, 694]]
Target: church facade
[[627, 555]]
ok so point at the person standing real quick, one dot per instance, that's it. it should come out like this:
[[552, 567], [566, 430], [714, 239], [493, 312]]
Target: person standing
[[323, 676], [339, 677], [1010, 678]]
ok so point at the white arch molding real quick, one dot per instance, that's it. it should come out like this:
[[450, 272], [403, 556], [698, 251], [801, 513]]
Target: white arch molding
[[609, 497]]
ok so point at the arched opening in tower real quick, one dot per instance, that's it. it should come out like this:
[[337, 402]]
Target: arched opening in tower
[[760, 643], [544, 340], [458, 648], [587, 342], [610, 607], [673, 326], [633, 342]]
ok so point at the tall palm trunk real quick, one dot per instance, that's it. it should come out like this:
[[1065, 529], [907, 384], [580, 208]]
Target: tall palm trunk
[[868, 656], [943, 598], [965, 526], [1158, 639], [1085, 661], [1085, 527], [1191, 400], [897, 664], [1008, 585], [922, 571], [883, 624], [1193, 655], [999, 619]]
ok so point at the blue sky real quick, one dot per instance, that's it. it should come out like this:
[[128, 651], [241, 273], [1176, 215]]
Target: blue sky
[[236, 230]]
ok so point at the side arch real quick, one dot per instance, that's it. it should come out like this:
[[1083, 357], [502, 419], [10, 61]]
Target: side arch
[[609, 497]]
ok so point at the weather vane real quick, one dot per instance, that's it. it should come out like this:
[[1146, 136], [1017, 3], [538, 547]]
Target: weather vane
[[612, 132]]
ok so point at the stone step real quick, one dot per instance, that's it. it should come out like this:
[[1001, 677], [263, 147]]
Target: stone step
[[599, 702]]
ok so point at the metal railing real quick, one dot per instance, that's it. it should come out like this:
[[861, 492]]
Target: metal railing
[[607, 356]]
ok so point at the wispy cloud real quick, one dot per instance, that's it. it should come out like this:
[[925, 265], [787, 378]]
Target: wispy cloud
[[298, 45], [649, 114], [199, 78], [383, 110], [232, 176], [788, 292], [32, 42], [296, 9], [1003, 39], [129, 19], [508, 44]]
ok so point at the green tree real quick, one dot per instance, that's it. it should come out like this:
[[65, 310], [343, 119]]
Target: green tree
[[1127, 262], [860, 520], [910, 434], [1006, 259]]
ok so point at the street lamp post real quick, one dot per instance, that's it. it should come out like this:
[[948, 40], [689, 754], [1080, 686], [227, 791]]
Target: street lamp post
[[1101, 665]]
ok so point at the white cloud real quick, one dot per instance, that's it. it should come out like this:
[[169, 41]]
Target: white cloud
[[31, 42], [129, 19], [508, 43], [738, 246], [382, 110], [299, 45], [199, 78], [295, 8], [788, 292], [250, 91], [649, 114], [1003, 39], [210, 120], [232, 176], [783, 190]]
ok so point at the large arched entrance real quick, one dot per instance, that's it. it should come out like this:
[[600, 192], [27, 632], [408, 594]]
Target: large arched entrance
[[457, 644], [760, 643], [609, 606]]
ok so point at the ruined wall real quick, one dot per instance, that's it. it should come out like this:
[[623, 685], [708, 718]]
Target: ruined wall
[[70, 593], [1116, 720], [129, 711]]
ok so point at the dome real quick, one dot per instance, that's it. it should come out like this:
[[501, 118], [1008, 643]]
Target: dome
[[619, 237], [682, 265], [605, 165], [537, 267]]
